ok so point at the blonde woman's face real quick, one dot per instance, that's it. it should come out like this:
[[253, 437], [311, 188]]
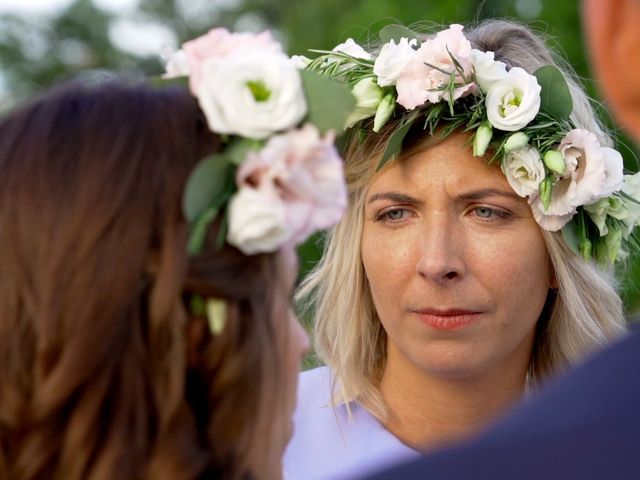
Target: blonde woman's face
[[456, 264]]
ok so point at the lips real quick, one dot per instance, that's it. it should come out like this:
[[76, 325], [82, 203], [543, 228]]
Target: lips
[[450, 319]]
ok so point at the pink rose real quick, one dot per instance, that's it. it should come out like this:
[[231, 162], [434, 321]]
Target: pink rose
[[306, 172], [219, 43], [419, 83]]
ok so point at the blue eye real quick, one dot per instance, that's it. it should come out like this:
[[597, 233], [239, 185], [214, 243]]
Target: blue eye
[[484, 212], [396, 214]]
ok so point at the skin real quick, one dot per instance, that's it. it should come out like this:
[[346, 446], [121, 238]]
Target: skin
[[459, 274], [295, 339]]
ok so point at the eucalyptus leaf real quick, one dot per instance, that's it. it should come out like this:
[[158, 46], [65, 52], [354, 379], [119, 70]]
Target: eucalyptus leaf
[[555, 97], [395, 141], [210, 184], [395, 32], [570, 235], [198, 231], [329, 101]]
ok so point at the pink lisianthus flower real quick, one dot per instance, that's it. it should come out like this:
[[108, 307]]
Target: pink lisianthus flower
[[591, 172], [419, 83], [306, 172], [219, 43]]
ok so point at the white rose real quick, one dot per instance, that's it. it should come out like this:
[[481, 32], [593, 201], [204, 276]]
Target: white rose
[[524, 170], [513, 101], [257, 221], [593, 171], [488, 71], [350, 47], [252, 93], [392, 59]]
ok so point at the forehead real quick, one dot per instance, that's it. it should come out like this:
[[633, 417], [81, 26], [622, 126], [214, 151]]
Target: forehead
[[450, 161]]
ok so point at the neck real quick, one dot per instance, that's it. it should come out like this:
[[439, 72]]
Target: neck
[[427, 410]]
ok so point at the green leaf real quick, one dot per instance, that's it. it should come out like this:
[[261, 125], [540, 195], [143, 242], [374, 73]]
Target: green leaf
[[555, 97], [162, 82], [209, 185], [570, 235], [198, 232], [238, 150], [329, 101], [395, 32], [395, 141]]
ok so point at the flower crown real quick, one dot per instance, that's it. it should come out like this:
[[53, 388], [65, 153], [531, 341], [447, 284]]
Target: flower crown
[[278, 177], [571, 181]]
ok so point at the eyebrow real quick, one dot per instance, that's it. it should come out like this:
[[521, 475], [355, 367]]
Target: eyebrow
[[473, 195], [394, 197], [489, 192]]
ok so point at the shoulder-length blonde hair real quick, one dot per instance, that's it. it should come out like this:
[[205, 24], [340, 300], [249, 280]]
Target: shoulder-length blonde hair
[[584, 313]]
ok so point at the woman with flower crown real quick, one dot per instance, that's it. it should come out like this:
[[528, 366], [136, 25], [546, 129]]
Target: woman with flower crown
[[486, 210], [147, 264]]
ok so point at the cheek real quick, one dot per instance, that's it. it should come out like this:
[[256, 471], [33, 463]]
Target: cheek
[[388, 261]]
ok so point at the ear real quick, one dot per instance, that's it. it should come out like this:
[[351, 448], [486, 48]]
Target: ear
[[611, 30], [552, 280]]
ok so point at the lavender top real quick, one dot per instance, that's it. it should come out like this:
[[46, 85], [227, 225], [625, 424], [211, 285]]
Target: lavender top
[[330, 444]]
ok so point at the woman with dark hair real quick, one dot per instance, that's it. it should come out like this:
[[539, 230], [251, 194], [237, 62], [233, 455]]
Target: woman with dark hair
[[135, 342]]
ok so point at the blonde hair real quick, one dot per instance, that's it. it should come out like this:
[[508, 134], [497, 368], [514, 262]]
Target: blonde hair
[[584, 313]]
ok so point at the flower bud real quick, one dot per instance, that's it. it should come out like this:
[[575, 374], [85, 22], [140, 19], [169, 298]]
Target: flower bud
[[515, 141], [384, 111], [554, 161], [584, 246], [368, 96], [545, 191], [482, 138]]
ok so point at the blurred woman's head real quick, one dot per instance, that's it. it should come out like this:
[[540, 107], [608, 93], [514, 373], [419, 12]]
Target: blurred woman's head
[[106, 368], [574, 306]]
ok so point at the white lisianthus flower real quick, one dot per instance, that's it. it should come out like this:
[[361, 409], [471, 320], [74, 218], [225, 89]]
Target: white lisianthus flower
[[524, 170], [368, 96], [513, 101], [177, 65], [600, 210], [257, 221], [252, 93], [392, 59], [350, 47], [488, 71]]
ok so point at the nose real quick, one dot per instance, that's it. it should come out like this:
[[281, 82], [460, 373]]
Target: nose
[[441, 258]]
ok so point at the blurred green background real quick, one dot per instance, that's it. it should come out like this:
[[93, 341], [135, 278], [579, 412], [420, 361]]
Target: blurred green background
[[45, 41]]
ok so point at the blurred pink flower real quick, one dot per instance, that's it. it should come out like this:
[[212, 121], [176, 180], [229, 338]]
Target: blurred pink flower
[[306, 172]]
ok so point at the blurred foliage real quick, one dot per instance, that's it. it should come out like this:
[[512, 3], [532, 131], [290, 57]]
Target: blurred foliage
[[38, 51]]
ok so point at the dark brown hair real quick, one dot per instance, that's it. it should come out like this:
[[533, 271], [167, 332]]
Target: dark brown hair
[[104, 371]]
